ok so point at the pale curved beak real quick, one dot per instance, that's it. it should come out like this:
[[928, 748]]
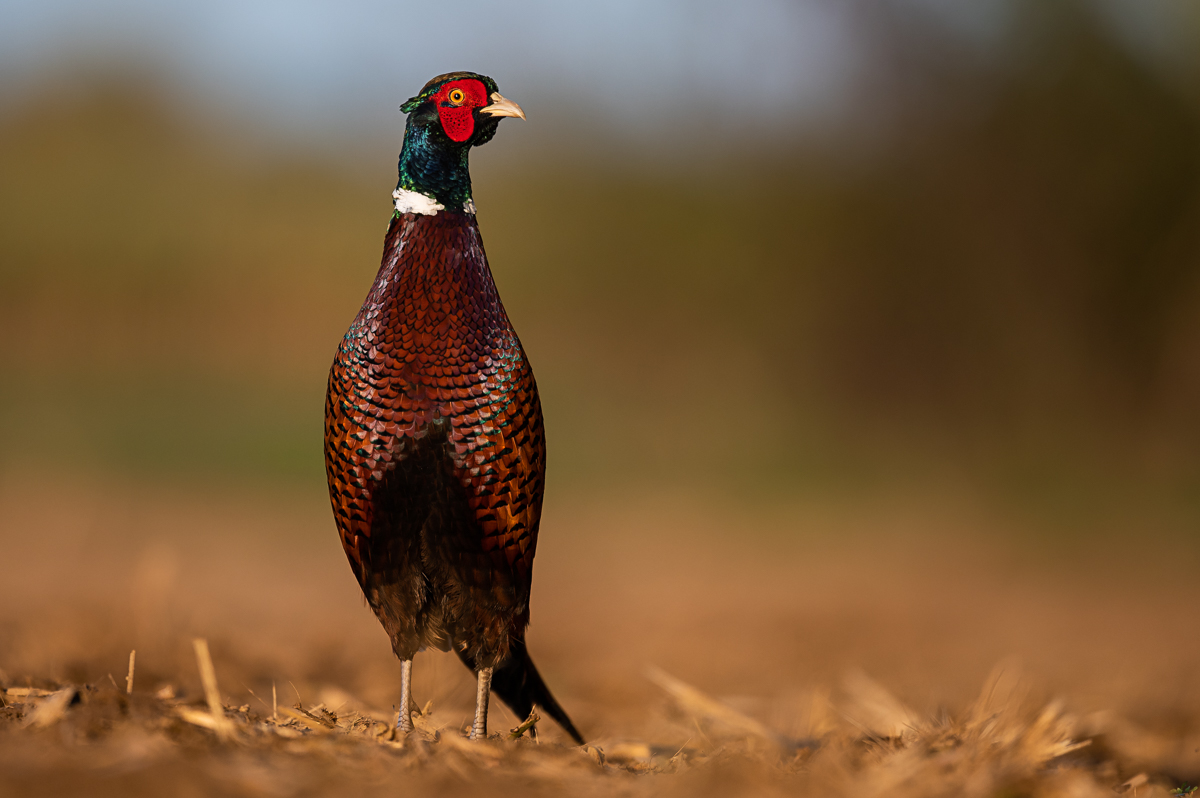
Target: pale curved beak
[[502, 107]]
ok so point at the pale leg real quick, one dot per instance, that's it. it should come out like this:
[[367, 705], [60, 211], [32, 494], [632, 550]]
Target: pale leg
[[482, 691], [404, 716]]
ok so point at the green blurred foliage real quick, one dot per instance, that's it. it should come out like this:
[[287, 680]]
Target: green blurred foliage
[[1008, 293]]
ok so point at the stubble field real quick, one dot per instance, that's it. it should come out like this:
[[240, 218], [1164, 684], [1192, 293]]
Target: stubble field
[[803, 648]]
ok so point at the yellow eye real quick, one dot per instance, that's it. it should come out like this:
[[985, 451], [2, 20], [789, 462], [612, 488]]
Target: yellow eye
[[457, 96]]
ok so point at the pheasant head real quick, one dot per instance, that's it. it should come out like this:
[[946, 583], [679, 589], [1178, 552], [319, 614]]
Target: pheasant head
[[452, 114]]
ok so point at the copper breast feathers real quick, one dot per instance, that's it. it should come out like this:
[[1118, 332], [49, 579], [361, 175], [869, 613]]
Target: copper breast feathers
[[432, 353]]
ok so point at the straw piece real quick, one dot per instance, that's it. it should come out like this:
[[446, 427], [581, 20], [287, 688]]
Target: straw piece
[[525, 726], [208, 677], [197, 717], [875, 710], [129, 678], [311, 721], [630, 752], [51, 709], [696, 703], [422, 722]]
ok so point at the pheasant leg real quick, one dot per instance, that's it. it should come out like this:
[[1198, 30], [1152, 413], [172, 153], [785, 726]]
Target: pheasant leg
[[404, 716], [482, 691]]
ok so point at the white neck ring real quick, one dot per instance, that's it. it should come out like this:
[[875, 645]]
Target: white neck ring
[[416, 202]]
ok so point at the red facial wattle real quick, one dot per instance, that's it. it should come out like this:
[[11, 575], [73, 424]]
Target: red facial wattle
[[458, 119]]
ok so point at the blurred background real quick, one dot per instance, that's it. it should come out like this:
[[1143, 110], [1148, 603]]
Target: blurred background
[[756, 249], [791, 273]]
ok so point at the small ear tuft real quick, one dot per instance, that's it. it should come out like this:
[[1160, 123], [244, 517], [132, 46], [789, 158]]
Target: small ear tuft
[[412, 104]]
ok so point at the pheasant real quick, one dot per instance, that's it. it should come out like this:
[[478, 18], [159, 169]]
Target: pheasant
[[434, 446]]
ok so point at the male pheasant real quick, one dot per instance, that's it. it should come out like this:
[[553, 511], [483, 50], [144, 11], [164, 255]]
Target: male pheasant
[[434, 448]]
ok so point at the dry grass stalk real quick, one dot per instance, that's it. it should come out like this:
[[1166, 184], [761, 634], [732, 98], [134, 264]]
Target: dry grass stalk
[[129, 678], [695, 703], [313, 722], [197, 717], [875, 710], [1000, 741], [51, 709], [423, 722], [525, 726], [208, 677], [1140, 780], [629, 753]]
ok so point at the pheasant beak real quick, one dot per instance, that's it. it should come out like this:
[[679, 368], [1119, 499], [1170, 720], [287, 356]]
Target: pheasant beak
[[502, 107]]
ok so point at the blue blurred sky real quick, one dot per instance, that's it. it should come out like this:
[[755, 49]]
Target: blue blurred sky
[[324, 68]]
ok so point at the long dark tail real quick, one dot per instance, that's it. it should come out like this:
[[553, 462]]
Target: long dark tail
[[519, 685]]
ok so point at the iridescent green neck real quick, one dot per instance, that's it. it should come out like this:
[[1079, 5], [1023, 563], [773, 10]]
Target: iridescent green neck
[[432, 165]]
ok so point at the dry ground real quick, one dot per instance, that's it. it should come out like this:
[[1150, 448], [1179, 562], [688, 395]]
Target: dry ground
[[801, 648]]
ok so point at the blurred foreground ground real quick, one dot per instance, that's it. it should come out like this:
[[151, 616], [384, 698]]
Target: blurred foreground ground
[[786, 613]]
